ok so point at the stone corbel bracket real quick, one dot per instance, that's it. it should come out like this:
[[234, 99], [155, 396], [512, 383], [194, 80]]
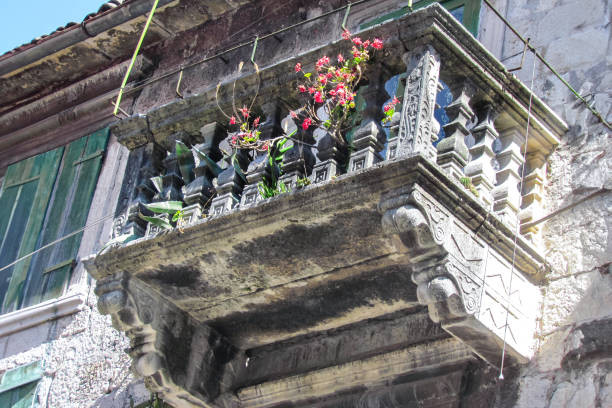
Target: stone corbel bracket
[[467, 282], [186, 363]]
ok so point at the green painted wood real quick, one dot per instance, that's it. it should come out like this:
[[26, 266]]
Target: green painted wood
[[21, 375], [33, 179], [471, 13], [72, 197]]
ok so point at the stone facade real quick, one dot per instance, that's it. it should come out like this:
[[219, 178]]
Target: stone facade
[[567, 359]]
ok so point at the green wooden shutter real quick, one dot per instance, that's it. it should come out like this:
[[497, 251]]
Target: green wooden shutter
[[23, 203], [18, 386], [51, 269]]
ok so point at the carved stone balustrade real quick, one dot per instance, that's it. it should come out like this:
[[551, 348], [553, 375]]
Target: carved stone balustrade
[[391, 281]]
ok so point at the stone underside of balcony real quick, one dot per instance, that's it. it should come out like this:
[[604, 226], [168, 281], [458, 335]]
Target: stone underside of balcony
[[391, 274]]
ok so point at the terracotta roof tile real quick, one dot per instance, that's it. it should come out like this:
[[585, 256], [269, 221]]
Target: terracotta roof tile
[[103, 9]]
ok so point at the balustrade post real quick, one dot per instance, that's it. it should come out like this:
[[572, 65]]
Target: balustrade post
[[147, 163], [533, 182], [369, 138], [480, 168], [270, 128], [299, 160], [231, 181], [198, 193], [507, 195], [453, 153], [418, 128]]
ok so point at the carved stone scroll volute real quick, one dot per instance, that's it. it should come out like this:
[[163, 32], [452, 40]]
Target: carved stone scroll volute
[[181, 360]]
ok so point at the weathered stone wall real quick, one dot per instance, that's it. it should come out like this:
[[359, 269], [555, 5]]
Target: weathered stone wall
[[573, 365]]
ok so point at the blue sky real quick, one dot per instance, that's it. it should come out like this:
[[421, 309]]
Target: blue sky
[[23, 20]]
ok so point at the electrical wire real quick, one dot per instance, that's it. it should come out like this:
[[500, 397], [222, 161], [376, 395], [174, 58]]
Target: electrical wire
[[50, 244]]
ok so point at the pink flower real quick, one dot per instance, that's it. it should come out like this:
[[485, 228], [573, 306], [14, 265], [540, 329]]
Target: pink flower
[[311, 90], [256, 122], [244, 111], [366, 44], [233, 120], [302, 88], [264, 147], [388, 107], [395, 100], [340, 58], [329, 75], [322, 61], [293, 114], [356, 54], [332, 92], [322, 79], [357, 41], [346, 34], [306, 123], [377, 43], [318, 97], [298, 67]]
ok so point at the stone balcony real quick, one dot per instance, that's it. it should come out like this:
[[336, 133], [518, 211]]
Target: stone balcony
[[388, 278]]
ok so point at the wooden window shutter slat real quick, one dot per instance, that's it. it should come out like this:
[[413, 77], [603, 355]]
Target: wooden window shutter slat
[[23, 205], [68, 212]]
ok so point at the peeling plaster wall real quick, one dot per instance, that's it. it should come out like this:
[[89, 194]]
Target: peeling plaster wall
[[83, 360]]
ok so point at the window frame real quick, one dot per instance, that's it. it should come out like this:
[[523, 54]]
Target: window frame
[[46, 275]]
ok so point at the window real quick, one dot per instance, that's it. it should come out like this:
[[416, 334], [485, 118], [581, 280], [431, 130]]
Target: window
[[466, 11], [18, 386], [45, 198]]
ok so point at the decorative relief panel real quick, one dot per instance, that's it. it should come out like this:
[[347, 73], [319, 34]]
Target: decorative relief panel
[[464, 282]]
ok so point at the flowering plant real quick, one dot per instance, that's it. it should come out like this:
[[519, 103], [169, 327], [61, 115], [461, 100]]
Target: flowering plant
[[333, 86], [247, 134]]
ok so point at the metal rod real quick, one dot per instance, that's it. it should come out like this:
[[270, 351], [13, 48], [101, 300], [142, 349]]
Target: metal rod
[[567, 207], [140, 40]]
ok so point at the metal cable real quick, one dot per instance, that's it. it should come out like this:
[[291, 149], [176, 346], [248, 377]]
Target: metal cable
[[517, 231], [50, 244]]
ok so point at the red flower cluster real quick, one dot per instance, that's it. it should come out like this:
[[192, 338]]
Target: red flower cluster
[[333, 87], [389, 109], [248, 132]]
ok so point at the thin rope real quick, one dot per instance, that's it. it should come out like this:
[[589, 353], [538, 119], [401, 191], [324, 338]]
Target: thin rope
[[518, 223], [50, 244]]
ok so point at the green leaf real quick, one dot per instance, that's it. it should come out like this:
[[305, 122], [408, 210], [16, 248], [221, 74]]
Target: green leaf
[[159, 222], [210, 163], [121, 239], [165, 207], [307, 75], [185, 161], [157, 183], [177, 215]]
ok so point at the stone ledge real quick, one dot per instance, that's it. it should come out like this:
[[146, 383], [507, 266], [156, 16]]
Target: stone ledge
[[43, 312]]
